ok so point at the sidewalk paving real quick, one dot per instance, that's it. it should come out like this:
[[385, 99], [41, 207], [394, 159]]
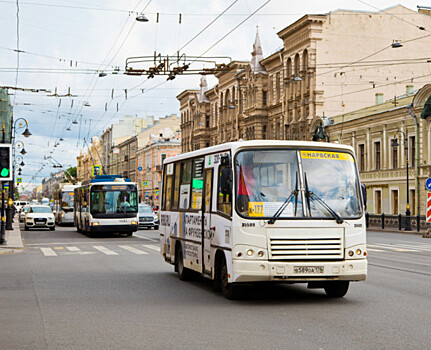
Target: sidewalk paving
[[13, 240]]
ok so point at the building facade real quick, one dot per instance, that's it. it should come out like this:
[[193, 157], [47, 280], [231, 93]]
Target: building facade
[[324, 69], [383, 163]]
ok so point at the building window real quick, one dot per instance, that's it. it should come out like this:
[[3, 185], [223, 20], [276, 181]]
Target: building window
[[207, 121], [394, 155], [162, 158], [277, 86], [377, 155], [394, 198], [264, 132], [412, 150], [378, 202], [361, 152], [264, 93]]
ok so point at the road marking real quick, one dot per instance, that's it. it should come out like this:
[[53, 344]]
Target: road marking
[[143, 237], [73, 249], [58, 248], [48, 252], [104, 250], [390, 247], [133, 250], [374, 250], [153, 247]]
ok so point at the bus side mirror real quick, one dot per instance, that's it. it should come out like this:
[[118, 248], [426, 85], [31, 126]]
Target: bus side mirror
[[364, 195], [226, 181]]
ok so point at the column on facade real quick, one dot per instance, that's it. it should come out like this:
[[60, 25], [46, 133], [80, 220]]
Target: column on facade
[[369, 151], [403, 145], [385, 148]]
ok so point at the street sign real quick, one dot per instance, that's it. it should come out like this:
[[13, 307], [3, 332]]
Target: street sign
[[96, 170], [19, 180], [428, 183], [429, 207], [139, 168], [6, 186], [145, 183]]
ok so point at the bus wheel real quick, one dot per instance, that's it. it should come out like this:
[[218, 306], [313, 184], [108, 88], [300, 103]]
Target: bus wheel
[[230, 291], [183, 273], [336, 289]]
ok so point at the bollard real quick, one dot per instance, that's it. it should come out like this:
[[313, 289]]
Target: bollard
[[399, 222], [418, 223], [383, 221]]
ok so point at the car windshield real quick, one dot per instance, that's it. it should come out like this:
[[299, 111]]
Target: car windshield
[[269, 184], [145, 209], [40, 209], [67, 199]]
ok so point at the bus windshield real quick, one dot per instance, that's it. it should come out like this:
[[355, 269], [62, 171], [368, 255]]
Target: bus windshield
[[270, 184], [115, 200], [67, 199]]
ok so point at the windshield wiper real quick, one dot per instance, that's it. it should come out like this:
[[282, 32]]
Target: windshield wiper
[[310, 195], [293, 194]]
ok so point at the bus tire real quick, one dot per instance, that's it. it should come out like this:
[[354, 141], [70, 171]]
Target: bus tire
[[230, 291], [217, 265], [336, 289], [184, 273]]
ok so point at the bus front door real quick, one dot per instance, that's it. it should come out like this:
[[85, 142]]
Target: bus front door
[[207, 232]]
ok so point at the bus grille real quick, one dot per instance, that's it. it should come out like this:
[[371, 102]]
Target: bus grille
[[327, 248]]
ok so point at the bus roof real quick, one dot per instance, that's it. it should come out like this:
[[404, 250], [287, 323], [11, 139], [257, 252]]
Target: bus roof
[[234, 146]]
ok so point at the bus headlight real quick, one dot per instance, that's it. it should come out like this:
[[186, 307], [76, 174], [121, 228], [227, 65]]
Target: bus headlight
[[247, 252], [356, 252], [95, 223]]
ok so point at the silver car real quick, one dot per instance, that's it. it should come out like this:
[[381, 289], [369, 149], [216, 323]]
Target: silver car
[[147, 217]]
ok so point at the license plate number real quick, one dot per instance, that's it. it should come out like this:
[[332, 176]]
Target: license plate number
[[307, 269]]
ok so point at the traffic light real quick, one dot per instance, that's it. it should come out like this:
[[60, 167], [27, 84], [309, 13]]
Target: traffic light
[[5, 162]]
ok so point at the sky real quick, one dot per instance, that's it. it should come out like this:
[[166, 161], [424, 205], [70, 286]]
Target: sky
[[65, 45]]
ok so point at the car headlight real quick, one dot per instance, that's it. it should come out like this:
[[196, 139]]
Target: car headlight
[[95, 223], [133, 222]]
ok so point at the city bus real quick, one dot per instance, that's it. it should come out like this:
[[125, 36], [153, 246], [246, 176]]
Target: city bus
[[265, 211], [106, 204], [63, 203]]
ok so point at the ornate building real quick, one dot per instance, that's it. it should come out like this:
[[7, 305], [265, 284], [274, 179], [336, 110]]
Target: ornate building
[[324, 69]]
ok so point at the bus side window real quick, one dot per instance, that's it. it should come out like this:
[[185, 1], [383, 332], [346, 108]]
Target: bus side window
[[168, 192], [224, 200], [186, 174], [177, 172]]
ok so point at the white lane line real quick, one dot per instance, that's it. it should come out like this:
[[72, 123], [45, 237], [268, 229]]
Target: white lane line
[[104, 250], [374, 250], [73, 249], [48, 252], [153, 247], [143, 237], [133, 250]]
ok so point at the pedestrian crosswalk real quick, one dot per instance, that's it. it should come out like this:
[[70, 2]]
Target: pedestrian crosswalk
[[141, 249], [399, 247]]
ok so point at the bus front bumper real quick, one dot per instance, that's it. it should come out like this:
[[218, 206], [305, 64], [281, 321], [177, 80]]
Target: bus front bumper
[[299, 271], [113, 228]]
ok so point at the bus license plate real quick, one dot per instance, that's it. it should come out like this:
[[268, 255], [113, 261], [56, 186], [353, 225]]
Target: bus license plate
[[307, 269]]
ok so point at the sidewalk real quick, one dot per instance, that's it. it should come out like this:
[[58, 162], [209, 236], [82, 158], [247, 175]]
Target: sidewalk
[[424, 233], [13, 240]]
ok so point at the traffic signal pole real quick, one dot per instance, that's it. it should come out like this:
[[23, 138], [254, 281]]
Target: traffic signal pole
[[3, 218]]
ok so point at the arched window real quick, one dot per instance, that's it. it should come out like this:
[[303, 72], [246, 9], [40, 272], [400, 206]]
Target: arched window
[[289, 68], [305, 61], [297, 65]]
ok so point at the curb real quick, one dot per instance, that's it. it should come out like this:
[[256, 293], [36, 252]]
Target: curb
[[13, 240]]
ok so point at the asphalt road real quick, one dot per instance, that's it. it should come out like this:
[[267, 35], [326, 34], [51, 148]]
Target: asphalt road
[[70, 291]]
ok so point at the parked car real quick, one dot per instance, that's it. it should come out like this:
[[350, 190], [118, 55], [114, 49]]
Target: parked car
[[19, 205], [22, 212], [39, 216], [147, 217]]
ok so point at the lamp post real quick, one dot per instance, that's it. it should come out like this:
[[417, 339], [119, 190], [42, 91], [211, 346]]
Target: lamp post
[[406, 148], [18, 124]]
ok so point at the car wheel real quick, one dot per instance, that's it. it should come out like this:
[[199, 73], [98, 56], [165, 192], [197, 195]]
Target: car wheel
[[156, 227], [336, 289], [52, 228], [25, 228]]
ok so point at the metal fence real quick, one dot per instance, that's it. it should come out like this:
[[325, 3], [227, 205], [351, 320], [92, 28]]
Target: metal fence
[[399, 222]]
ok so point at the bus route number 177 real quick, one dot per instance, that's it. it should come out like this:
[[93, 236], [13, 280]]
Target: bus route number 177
[[255, 209]]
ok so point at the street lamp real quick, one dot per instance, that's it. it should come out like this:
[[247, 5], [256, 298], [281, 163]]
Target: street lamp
[[406, 148], [18, 124]]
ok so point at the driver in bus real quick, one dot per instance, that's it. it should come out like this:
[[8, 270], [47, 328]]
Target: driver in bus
[[246, 182]]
